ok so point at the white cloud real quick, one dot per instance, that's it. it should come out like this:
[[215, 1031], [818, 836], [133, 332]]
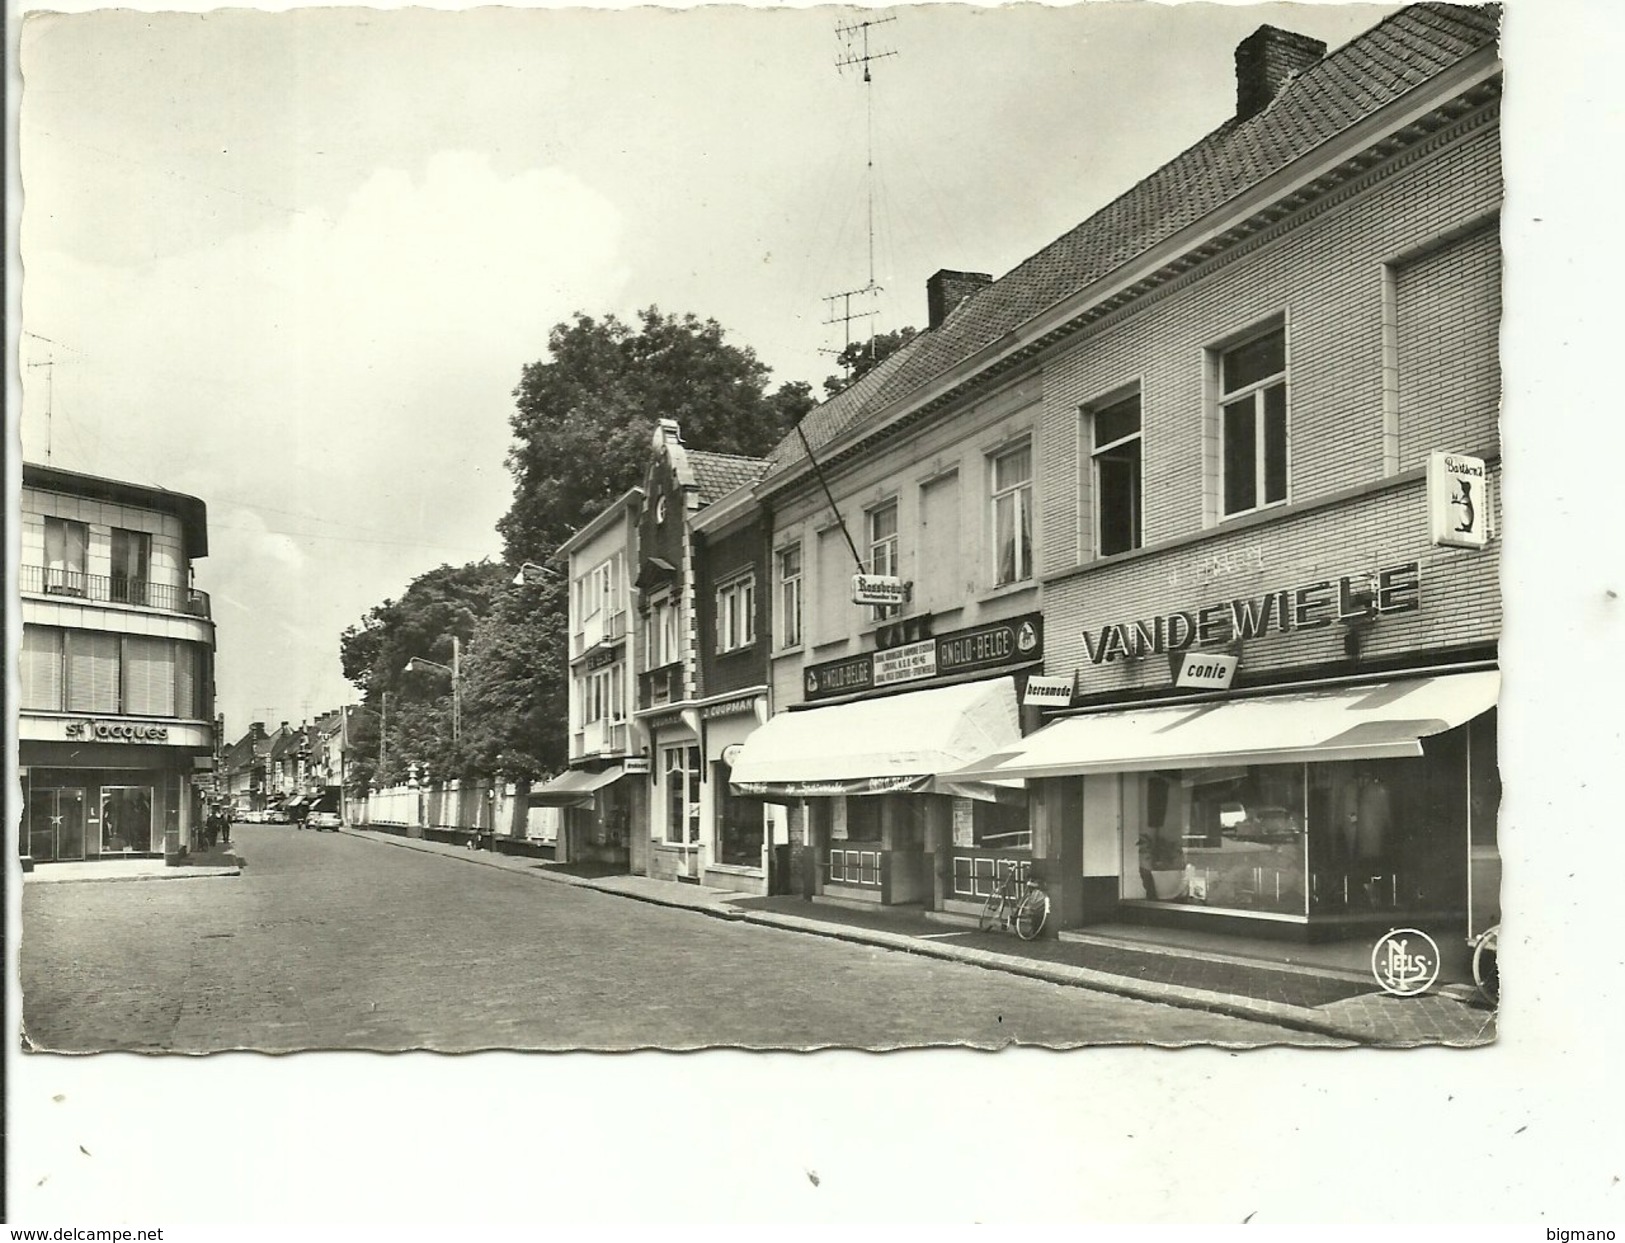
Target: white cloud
[[337, 389]]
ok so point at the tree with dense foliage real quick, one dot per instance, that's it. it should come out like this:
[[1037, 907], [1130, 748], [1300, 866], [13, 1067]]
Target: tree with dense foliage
[[448, 601], [861, 357], [584, 418]]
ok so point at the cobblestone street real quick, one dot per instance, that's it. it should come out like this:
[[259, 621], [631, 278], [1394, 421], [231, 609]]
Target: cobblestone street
[[330, 941]]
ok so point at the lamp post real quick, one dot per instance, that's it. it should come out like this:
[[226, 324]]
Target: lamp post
[[455, 670], [519, 579]]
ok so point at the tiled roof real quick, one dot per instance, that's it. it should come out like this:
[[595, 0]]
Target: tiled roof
[[1405, 50], [720, 473]]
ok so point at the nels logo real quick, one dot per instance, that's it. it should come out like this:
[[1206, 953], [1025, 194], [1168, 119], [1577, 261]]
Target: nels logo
[[812, 682], [1026, 637]]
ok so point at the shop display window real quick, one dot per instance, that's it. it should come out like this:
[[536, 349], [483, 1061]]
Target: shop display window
[[739, 823], [863, 819], [126, 819], [995, 826], [1347, 839]]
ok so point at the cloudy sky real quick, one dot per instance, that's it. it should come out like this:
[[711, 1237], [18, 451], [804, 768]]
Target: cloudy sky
[[293, 262]]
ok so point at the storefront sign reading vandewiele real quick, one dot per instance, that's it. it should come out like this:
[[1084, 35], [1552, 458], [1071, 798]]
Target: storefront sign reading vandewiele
[[995, 645], [1398, 590]]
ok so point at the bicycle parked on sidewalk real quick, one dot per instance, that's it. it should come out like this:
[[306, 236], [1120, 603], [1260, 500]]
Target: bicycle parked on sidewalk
[[1018, 903]]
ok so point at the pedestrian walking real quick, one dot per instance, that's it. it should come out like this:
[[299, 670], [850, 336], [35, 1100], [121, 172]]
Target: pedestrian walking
[[225, 825]]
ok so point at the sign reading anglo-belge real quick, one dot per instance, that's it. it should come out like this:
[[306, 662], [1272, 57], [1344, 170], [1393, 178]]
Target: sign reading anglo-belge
[[993, 645], [115, 731], [1398, 589]]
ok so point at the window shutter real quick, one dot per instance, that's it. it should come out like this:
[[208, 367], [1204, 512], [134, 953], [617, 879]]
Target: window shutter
[[41, 668], [93, 672], [149, 676], [186, 681]]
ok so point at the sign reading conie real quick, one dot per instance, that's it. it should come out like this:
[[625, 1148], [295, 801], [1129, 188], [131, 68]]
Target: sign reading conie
[[1397, 589], [994, 645], [115, 731]]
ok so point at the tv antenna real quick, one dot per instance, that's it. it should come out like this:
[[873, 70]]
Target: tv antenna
[[50, 381], [856, 51]]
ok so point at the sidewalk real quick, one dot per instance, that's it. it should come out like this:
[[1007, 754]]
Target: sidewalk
[[120, 869], [1326, 1000]]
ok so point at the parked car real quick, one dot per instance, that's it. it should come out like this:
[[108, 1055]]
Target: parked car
[[324, 820]]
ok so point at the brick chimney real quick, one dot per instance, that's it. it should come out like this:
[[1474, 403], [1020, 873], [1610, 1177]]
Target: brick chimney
[[1265, 61], [946, 290], [257, 729]]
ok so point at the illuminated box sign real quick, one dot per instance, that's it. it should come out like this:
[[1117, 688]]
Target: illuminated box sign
[[1204, 670], [879, 589], [1358, 597], [1458, 501], [995, 645], [115, 731], [1047, 693]]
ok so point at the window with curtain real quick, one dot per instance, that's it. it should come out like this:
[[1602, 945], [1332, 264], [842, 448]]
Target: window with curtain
[[1013, 516], [790, 596], [66, 548], [882, 523], [131, 565]]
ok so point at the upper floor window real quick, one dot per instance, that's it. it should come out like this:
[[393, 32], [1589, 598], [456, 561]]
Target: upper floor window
[[66, 547], [595, 590], [1013, 516], [790, 596], [1252, 418], [882, 523], [736, 614], [131, 565], [1116, 463], [661, 639]]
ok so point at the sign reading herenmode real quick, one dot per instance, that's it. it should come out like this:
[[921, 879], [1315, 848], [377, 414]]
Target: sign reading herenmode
[[995, 645]]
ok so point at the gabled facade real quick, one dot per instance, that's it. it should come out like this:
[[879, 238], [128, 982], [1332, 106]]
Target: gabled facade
[[1226, 452], [243, 779], [671, 698], [115, 719], [600, 802]]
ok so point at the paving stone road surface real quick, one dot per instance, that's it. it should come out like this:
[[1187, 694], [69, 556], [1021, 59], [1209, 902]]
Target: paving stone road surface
[[331, 941]]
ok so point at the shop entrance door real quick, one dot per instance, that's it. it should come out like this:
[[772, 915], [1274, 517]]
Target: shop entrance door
[[56, 824], [126, 819]]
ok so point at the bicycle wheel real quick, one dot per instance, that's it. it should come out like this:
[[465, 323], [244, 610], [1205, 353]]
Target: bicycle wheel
[[1031, 914], [992, 911], [1486, 971]]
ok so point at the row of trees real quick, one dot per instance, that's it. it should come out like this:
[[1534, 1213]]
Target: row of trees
[[583, 426]]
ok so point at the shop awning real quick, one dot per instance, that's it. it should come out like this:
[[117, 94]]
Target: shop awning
[[879, 746], [1383, 721], [576, 787]]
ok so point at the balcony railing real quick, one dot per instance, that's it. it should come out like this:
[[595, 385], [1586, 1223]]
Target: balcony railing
[[101, 588]]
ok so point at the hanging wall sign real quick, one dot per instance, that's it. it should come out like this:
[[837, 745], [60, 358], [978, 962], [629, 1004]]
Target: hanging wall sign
[[879, 589], [1047, 693], [1458, 500], [1205, 670]]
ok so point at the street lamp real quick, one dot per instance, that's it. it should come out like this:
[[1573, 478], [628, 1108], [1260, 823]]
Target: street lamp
[[519, 579], [455, 670]]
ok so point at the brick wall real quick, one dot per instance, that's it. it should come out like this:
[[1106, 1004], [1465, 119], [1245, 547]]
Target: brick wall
[[1327, 279]]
